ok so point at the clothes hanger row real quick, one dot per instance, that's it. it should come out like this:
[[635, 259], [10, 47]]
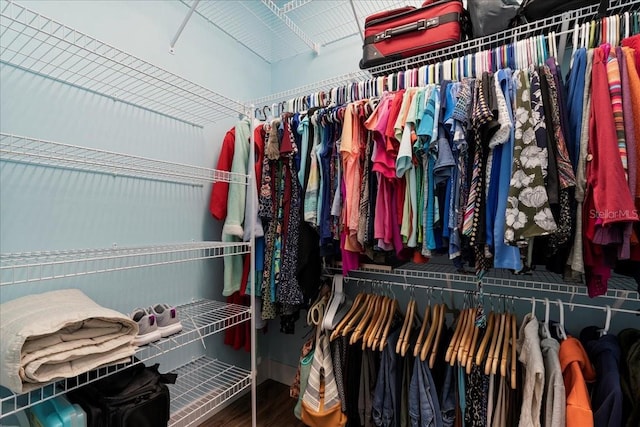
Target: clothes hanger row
[[517, 55], [501, 297]]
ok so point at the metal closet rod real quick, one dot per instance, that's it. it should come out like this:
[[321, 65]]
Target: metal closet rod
[[491, 295]]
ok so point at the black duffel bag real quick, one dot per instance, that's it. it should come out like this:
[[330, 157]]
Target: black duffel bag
[[134, 397], [534, 10]]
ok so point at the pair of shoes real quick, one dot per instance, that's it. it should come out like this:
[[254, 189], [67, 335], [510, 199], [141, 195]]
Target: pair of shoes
[[155, 322]]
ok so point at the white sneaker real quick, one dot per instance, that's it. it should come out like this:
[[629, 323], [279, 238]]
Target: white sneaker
[[147, 327], [167, 319]]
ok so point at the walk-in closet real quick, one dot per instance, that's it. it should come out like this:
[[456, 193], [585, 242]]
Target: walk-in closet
[[281, 213]]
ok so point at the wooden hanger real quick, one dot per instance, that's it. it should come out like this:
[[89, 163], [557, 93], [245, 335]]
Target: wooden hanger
[[354, 307], [505, 346], [404, 327], [456, 335], [382, 321], [425, 319], [498, 323], [434, 348], [428, 342], [364, 321], [496, 354], [373, 320], [362, 308], [472, 348], [387, 328], [463, 352], [488, 333], [377, 318], [406, 341], [403, 341]]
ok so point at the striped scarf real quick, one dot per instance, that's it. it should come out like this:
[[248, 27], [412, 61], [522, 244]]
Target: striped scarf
[[615, 91]]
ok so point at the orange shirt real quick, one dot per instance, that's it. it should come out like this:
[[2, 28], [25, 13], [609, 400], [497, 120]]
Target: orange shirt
[[576, 372]]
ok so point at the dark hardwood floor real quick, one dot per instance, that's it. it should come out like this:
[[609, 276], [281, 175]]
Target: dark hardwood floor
[[275, 409]]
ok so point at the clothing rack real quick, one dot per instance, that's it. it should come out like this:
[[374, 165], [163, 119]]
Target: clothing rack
[[414, 286], [562, 25]]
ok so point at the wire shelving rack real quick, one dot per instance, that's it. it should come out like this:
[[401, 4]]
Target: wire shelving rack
[[499, 280], [202, 386], [22, 149], [24, 267], [199, 319], [38, 44]]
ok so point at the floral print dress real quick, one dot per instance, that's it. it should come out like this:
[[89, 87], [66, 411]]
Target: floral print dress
[[528, 212]]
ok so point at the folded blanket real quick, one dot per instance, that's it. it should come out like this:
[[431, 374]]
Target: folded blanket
[[59, 334]]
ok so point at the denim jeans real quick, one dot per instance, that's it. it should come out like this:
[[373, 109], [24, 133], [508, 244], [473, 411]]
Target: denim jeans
[[448, 399], [424, 408], [385, 397]]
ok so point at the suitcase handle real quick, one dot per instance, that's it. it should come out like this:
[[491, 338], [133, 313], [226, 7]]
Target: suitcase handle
[[421, 25]]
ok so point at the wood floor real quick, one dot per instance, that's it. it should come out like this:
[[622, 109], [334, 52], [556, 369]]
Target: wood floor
[[275, 409]]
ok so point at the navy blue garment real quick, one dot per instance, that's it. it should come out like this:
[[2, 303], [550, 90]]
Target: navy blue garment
[[326, 151], [575, 88], [607, 398], [424, 408], [385, 396]]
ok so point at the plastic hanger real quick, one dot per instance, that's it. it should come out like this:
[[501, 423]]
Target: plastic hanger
[[337, 298], [545, 326], [561, 332], [315, 314], [607, 322]]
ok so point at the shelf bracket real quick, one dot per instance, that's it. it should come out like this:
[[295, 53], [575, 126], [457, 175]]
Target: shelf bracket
[[174, 40], [292, 26]]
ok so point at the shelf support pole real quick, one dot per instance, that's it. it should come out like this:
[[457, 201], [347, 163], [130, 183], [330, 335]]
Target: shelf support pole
[[174, 40], [355, 16]]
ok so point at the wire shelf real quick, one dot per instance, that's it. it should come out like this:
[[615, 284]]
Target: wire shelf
[[620, 287], [323, 85], [38, 44], [540, 27], [199, 319], [202, 386], [22, 149], [24, 267]]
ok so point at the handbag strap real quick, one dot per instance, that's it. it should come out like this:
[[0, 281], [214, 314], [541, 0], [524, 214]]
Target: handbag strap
[[321, 366]]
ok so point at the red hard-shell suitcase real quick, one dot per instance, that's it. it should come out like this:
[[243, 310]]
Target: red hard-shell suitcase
[[401, 33]]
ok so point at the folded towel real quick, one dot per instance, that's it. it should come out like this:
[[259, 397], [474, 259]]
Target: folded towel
[[59, 334]]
